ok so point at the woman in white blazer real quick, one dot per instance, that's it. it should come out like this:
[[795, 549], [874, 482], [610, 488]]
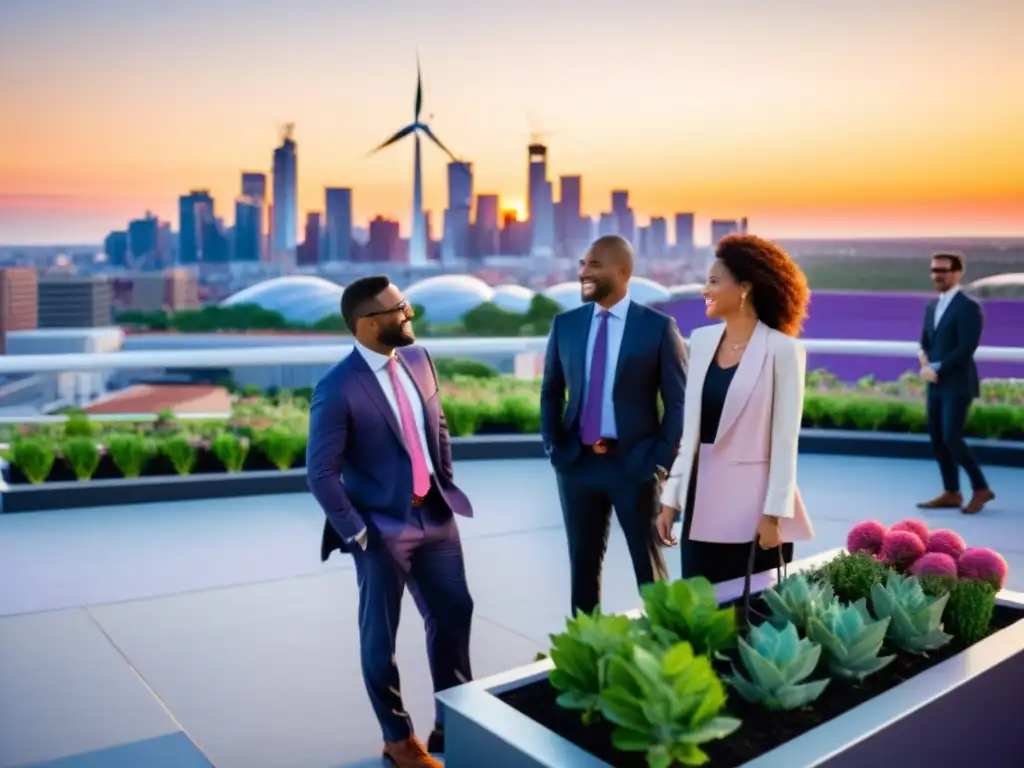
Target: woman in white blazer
[[734, 478]]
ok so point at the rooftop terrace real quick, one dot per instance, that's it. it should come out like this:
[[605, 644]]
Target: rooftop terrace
[[208, 633]]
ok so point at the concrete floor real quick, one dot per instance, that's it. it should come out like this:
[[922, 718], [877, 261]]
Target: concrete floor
[[208, 633]]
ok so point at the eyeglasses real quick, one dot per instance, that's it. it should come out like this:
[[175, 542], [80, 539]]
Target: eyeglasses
[[941, 270], [400, 307]]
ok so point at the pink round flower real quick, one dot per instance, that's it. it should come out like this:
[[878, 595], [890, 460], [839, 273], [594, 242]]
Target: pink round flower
[[916, 527], [901, 548], [983, 564], [866, 537], [934, 564], [947, 542]]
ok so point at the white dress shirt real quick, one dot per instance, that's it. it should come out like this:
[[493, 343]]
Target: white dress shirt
[[616, 328], [943, 303], [379, 365]]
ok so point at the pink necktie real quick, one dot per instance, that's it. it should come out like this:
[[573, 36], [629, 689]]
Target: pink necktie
[[420, 473]]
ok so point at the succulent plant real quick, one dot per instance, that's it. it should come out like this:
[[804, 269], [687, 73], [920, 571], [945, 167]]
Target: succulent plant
[[916, 527], [915, 619], [777, 662], [934, 564], [901, 549], [851, 575], [795, 598], [948, 542], [983, 564], [665, 707], [851, 638], [866, 537], [688, 610]]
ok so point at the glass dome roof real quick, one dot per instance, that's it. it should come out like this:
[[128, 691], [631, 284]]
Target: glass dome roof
[[446, 298], [641, 289], [686, 290], [300, 298], [567, 294], [513, 298]]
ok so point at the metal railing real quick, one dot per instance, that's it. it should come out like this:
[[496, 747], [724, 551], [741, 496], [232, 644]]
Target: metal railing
[[464, 347]]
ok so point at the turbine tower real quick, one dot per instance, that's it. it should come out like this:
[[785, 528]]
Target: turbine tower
[[418, 239]]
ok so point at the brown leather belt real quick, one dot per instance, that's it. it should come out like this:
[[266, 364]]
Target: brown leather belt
[[603, 446]]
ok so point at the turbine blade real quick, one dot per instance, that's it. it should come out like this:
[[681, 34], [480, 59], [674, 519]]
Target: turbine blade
[[433, 138], [419, 89], [397, 137]]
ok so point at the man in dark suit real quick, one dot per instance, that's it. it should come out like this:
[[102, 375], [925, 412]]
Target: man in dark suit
[[379, 462], [949, 338], [607, 361]]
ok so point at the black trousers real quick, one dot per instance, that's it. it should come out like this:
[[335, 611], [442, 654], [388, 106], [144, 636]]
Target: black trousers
[[947, 414], [589, 489]]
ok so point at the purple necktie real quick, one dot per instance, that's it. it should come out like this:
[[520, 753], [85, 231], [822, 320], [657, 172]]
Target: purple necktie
[[590, 423]]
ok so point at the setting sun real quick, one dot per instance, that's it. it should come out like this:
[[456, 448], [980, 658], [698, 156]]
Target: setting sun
[[514, 206]]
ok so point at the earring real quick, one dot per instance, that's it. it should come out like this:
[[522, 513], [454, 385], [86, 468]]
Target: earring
[[743, 298]]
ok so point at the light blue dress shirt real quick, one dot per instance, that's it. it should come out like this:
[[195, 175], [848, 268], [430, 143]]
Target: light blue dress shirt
[[616, 328]]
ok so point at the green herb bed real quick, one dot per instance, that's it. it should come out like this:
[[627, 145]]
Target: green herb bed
[[267, 431], [678, 686]]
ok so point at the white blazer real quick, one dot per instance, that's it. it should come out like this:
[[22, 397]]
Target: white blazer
[[750, 470]]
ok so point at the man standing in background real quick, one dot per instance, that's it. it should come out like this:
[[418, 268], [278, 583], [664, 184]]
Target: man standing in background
[[949, 339]]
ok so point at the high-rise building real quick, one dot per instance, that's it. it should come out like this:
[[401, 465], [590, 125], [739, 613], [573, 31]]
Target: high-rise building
[[19, 302], [254, 187], [383, 242], [338, 224], [541, 206], [456, 241], [196, 223], [684, 236], [625, 222], [248, 229], [308, 254], [115, 246], [486, 231], [286, 198], [657, 237], [70, 301], [144, 242]]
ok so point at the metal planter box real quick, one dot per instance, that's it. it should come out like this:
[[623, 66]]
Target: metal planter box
[[959, 712]]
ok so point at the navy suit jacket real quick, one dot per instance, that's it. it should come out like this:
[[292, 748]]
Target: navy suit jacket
[[952, 345], [652, 359], [357, 464]]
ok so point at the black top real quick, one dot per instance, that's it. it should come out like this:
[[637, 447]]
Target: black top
[[716, 387]]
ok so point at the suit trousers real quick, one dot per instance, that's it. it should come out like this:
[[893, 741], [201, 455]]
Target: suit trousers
[[947, 414], [424, 554], [589, 489]]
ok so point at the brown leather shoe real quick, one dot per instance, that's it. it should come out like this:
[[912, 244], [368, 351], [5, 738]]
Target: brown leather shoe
[[945, 500], [409, 754], [978, 501]]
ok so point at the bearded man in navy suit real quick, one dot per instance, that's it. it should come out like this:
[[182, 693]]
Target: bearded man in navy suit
[[379, 462]]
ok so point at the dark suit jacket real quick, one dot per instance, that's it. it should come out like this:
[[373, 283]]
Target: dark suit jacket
[[652, 359], [357, 465], [953, 343]]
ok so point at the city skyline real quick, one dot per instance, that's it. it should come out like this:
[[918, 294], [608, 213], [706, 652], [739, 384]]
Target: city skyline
[[859, 121]]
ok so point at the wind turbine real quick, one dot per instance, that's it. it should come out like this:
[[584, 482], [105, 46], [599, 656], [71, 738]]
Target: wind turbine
[[418, 239]]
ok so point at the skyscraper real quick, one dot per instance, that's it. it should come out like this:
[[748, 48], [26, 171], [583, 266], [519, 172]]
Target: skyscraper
[[195, 218], [248, 229], [308, 254], [254, 188], [539, 201], [485, 227], [338, 225], [456, 243], [684, 235], [723, 227], [657, 237], [286, 197], [625, 222]]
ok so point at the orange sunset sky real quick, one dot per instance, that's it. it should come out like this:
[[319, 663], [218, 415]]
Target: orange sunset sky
[[823, 118]]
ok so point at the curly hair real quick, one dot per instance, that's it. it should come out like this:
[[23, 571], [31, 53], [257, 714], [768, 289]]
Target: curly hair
[[780, 293]]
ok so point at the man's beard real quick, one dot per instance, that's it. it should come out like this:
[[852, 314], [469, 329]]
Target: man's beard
[[395, 336], [602, 290]]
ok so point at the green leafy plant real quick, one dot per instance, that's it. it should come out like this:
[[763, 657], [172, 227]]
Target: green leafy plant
[[130, 453], [969, 610], [83, 455], [852, 640], [282, 447], [777, 662], [231, 450], [34, 457], [665, 707], [581, 655], [796, 598], [851, 575], [915, 618], [181, 452], [78, 425], [688, 610]]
